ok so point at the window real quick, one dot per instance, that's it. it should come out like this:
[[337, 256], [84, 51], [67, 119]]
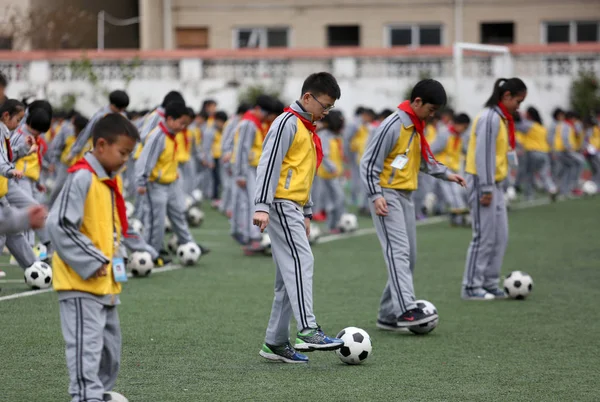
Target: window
[[571, 32], [6, 42], [343, 35], [192, 38], [497, 32], [261, 37], [414, 35]]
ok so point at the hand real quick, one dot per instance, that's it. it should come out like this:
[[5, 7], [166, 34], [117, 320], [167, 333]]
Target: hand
[[241, 183], [52, 168], [457, 179], [103, 271], [486, 199], [16, 174], [141, 190], [33, 149], [37, 216], [261, 219], [381, 208], [307, 226], [41, 188]]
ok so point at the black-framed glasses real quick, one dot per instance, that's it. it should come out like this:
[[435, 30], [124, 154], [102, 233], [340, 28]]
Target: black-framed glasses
[[325, 108]]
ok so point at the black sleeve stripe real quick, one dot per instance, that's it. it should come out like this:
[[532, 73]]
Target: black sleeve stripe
[[376, 150], [272, 157], [488, 147]]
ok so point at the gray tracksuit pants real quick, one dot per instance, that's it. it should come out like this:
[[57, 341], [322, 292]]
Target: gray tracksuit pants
[[490, 238], [17, 244], [92, 336], [317, 196], [227, 183], [452, 195], [537, 163], [294, 266], [160, 201], [333, 200], [594, 161], [130, 190], [23, 193], [356, 189], [59, 182], [187, 176], [397, 233], [243, 209], [571, 167]]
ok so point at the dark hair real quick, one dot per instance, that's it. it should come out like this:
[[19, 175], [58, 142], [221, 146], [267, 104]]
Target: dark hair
[[278, 107], [175, 110], [461, 118], [571, 115], [3, 80], [40, 104], [191, 113], [322, 84], [39, 120], [384, 114], [71, 113], [203, 114], [59, 114], [208, 103], [221, 116], [430, 91], [558, 111], [334, 120], [448, 111], [588, 121], [79, 123], [172, 96], [119, 99], [112, 126], [514, 86], [359, 110], [266, 103], [242, 108], [534, 114], [370, 112], [12, 107], [517, 117]]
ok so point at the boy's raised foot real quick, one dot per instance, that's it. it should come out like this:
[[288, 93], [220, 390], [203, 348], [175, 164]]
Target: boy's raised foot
[[283, 353], [312, 339]]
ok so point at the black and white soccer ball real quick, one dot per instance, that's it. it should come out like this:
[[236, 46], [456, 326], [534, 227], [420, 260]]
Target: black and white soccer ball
[[265, 244], [173, 244], [348, 223], [113, 396], [357, 345], [195, 216], [189, 202], [39, 275], [315, 233], [197, 196], [189, 253], [130, 208], [518, 285], [589, 187], [137, 226], [140, 264], [428, 308]]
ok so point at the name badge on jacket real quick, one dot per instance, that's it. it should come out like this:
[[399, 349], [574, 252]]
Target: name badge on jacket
[[400, 162], [513, 159]]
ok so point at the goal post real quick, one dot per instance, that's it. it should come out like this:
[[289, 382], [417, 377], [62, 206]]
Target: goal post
[[502, 64]]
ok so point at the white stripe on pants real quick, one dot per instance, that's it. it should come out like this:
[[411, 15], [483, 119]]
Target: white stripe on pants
[[397, 236], [294, 266], [490, 238]]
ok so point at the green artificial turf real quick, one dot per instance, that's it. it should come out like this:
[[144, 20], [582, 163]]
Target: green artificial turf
[[194, 334]]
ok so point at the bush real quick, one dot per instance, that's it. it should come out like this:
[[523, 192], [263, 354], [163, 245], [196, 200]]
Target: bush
[[585, 94]]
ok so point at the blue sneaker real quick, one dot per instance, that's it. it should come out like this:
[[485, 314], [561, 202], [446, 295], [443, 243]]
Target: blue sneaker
[[315, 339], [497, 292], [284, 353], [476, 294]]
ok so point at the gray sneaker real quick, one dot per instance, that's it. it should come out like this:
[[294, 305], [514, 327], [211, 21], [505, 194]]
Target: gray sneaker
[[317, 340], [497, 292], [283, 353]]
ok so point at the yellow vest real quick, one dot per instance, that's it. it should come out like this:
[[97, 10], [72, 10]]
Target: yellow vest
[[256, 149], [298, 167], [359, 141], [407, 178], [430, 133], [165, 171], [451, 155], [216, 146], [536, 139], [184, 153], [98, 218], [30, 166], [501, 151], [595, 138], [559, 146], [3, 180], [336, 156]]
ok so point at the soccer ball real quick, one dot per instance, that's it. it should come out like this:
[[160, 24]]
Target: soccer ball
[[189, 253], [137, 226], [357, 345], [39, 275], [348, 223], [195, 216], [265, 243], [589, 187], [511, 194], [430, 202], [315, 233], [130, 208], [197, 196], [189, 202], [50, 183], [173, 244], [40, 251], [428, 308], [140, 263], [168, 227], [114, 397], [518, 285]]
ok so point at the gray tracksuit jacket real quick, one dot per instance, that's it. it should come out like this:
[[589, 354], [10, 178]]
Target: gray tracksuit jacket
[[247, 131]]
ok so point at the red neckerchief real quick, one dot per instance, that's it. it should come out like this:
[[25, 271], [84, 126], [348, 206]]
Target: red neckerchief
[[8, 149], [511, 125], [83, 164], [419, 127], [165, 130], [313, 130], [42, 147], [252, 117], [456, 136], [571, 122]]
